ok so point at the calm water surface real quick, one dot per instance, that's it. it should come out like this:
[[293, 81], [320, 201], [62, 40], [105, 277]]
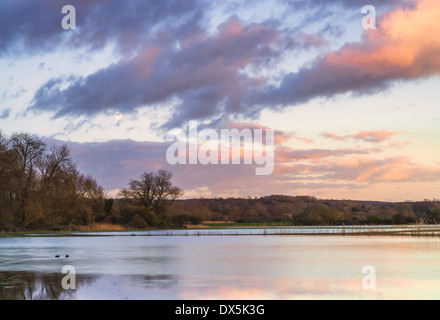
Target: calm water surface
[[220, 267]]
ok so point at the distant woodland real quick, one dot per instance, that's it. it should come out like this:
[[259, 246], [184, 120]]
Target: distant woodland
[[303, 211], [42, 189]]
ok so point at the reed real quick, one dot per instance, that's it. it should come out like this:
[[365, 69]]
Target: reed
[[411, 231], [102, 227]]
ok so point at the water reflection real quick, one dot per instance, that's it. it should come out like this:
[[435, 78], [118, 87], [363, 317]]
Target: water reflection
[[33, 286], [36, 286], [227, 267]]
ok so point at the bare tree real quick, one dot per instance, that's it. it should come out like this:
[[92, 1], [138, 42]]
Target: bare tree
[[52, 164], [6, 181], [165, 192], [27, 151], [152, 191], [140, 192]]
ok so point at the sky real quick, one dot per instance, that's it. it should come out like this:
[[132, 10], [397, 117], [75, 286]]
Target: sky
[[355, 111]]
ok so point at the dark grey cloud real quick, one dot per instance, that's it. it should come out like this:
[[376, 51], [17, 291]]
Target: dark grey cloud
[[204, 73], [303, 4], [336, 13], [175, 59], [4, 114], [37, 24]]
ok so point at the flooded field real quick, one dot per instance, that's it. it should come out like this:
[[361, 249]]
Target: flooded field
[[151, 265]]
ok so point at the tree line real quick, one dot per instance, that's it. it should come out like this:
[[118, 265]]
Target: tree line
[[41, 188], [302, 211]]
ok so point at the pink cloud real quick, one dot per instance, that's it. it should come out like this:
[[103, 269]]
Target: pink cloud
[[376, 136], [280, 135], [305, 171], [389, 170], [332, 135], [285, 154], [403, 47]]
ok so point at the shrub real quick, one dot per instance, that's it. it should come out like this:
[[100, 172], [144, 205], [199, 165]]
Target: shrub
[[137, 222]]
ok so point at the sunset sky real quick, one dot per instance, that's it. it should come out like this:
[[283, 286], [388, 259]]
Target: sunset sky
[[356, 112]]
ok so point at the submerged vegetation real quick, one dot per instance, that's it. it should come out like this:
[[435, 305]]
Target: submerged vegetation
[[42, 189]]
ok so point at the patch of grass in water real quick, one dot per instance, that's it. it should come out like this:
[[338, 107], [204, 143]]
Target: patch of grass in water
[[10, 281]]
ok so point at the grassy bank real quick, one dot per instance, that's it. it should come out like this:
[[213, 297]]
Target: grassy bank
[[96, 227]]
